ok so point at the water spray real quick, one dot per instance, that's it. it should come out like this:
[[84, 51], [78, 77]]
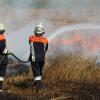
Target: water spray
[[73, 28]]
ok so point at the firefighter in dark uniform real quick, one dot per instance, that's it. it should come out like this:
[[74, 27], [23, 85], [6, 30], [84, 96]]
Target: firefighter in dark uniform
[[38, 48], [3, 56]]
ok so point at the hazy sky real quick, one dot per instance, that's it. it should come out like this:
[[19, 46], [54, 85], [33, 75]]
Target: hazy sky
[[56, 4]]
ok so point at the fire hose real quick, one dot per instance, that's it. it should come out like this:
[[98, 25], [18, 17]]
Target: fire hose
[[18, 58]]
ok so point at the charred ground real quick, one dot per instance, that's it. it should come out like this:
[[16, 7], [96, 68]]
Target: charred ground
[[66, 77]]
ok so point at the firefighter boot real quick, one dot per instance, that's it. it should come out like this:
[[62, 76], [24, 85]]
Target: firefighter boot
[[39, 85], [1, 91]]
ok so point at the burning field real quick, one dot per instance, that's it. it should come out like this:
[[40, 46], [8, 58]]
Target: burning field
[[66, 77], [70, 72], [73, 30]]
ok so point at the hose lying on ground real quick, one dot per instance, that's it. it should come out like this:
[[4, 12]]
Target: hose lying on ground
[[18, 58]]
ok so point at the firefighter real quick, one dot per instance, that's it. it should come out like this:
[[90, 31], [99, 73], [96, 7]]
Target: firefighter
[[3, 56], [38, 48]]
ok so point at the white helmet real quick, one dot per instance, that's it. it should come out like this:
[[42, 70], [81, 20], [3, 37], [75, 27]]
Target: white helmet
[[2, 27], [39, 30]]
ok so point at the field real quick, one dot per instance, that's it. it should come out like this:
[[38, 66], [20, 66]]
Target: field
[[66, 77]]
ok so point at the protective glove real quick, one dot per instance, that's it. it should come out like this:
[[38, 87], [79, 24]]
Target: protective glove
[[6, 52], [33, 58]]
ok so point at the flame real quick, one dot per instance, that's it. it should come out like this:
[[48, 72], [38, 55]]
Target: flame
[[91, 44], [75, 39]]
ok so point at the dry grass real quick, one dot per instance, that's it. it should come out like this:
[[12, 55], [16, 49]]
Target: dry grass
[[65, 77]]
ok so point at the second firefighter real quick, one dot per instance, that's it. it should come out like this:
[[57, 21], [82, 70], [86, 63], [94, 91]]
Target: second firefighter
[[38, 49]]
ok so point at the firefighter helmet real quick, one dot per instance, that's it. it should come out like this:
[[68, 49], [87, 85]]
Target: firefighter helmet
[[39, 30], [2, 27]]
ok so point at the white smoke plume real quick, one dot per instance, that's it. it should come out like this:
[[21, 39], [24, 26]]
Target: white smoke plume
[[21, 17], [20, 20], [78, 38]]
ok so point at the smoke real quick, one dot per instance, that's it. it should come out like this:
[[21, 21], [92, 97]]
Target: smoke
[[79, 38], [21, 17], [73, 28], [86, 10]]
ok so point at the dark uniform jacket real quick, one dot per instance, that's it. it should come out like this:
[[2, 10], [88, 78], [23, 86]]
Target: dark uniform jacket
[[38, 47], [3, 58]]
